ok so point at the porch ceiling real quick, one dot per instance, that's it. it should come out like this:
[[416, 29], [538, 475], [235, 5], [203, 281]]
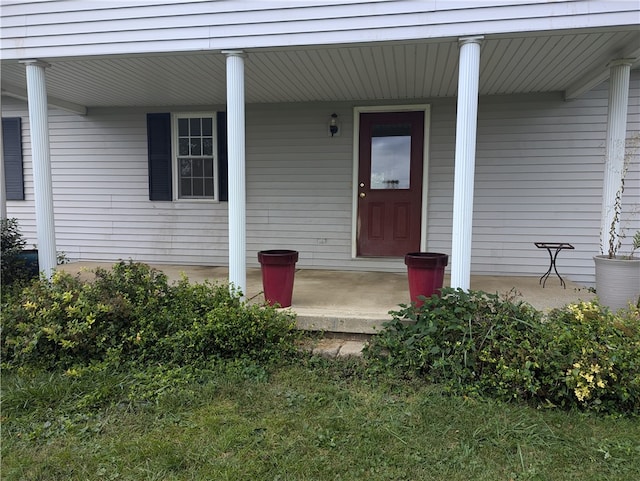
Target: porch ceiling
[[569, 61]]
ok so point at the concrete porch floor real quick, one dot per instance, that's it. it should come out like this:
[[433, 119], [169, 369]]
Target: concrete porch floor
[[359, 302]]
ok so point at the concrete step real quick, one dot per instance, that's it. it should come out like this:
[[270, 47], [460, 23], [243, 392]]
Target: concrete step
[[335, 347]]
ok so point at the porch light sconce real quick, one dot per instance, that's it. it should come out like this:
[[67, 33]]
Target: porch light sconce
[[334, 128]]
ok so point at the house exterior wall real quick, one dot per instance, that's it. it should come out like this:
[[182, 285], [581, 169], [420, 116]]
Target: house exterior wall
[[72, 28], [538, 178]]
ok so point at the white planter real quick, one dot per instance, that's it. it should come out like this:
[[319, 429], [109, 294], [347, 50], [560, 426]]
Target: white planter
[[617, 281]]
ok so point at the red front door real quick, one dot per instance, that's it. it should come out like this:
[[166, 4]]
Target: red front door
[[391, 149]]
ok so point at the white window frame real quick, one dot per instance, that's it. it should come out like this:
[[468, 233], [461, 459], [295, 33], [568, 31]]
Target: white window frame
[[174, 156]]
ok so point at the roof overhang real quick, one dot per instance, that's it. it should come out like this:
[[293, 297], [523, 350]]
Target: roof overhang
[[571, 62], [169, 52]]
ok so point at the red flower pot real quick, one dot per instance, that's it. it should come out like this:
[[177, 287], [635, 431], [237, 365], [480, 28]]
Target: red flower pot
[[278, 270], [426, 274]]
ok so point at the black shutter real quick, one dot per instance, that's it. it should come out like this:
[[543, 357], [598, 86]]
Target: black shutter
[[12, 151], [223, 163], [159, 147]]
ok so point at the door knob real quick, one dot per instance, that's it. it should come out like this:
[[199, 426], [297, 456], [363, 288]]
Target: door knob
[[362, 195]]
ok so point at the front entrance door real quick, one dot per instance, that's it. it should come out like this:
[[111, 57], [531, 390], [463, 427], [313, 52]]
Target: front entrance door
[[390, 183]]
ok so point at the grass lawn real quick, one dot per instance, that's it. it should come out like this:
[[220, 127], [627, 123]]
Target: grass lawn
[[309, 420]]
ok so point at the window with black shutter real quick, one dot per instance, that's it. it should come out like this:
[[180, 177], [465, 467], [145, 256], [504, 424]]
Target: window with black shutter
[[190, 148], [12, 154]]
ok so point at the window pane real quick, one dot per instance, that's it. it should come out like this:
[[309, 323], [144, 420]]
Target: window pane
[[196, 146], [183, 146], [207, 146], [185, 188], [183, 127], [185, 167], [198, 167], [390, 156], [195, 126], [207, 126], [391, 130], [198, 187], [208, 188], [208, 168]]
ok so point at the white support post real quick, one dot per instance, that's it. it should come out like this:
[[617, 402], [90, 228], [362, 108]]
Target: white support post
[[41, 158], [3, 188], [615, 149], [465, 158], [237, 185]]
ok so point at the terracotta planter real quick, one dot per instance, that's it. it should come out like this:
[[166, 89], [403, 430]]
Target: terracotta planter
[[426, 274], [617, 281], [278, 271]]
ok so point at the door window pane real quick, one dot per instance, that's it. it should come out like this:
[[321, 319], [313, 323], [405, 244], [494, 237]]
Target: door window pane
[[390, 156]]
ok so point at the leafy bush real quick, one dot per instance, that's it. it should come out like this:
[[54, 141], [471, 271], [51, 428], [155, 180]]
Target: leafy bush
[[450, 337], [12, 244], [132, 314], [599, 353], [478, 343]]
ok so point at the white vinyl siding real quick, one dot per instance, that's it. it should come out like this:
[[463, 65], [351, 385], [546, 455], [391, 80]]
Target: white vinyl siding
[[539, 169], [101, 197], [538, 178]]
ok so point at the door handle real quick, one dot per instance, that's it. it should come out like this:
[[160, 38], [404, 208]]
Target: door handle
[[362, 195]]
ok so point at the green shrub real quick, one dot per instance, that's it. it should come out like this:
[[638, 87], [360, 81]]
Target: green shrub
[[449, 339], [12, 243], [132, 314], [597, 356], [477, 343]]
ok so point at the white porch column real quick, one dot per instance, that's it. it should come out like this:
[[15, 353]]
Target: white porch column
[[41, 158], [465, 158], [615, 146], [3, 190], [236, 155]]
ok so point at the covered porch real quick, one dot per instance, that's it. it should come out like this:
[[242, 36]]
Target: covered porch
[[495, 92], [359, 302]]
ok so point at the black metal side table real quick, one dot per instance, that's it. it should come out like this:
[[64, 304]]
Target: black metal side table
[[558, 246]]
